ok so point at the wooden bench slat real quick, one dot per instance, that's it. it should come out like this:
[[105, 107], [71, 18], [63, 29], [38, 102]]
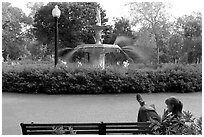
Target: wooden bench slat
[[85, 128], [87, 132], [81, 128], [138, 128], [62, 124], [40, 133], [66, 132], [39, 128], [129, 123], [127, 131], [50, 128]]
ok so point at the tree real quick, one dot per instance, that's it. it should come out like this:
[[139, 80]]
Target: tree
[[146, 40], [191, 31], [151, 15], [13, 22], [174, 48], [121, 27], [34, 7], [75, 24]]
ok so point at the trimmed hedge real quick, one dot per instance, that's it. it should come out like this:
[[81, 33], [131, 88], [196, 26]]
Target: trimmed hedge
[[43, 78]]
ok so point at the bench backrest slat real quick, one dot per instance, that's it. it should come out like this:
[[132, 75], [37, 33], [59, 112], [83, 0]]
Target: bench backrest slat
[[128, 131], [51, 127], [129, 123], [61, 124]]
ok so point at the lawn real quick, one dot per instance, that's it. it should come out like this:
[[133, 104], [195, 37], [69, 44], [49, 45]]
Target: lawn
[[17, 108]]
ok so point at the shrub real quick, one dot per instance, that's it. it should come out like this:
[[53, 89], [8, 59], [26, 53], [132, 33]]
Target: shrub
[[186, 126], [44, 78]]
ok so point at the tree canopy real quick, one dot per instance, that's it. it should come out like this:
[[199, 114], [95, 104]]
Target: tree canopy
[[75, 23], [158, 37], [152, 16], [13, 21], [172, 39]]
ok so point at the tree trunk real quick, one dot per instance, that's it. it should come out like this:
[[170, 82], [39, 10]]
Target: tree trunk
[[157, 44], [156, 40], [158, 54]]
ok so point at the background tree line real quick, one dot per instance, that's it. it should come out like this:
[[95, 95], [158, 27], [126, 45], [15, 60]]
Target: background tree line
[[165, 41]]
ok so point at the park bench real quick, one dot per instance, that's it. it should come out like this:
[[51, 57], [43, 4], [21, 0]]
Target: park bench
[[85, 128]]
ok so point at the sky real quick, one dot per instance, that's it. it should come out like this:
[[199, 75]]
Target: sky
[[179, 7], [116, 8]]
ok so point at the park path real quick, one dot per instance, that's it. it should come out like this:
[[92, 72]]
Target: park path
[[17, 108]]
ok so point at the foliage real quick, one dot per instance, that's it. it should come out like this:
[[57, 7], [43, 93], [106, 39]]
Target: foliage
[[165, 41], [175, 48], [146, 41], [178, 41], [60, 130], [34, 7], [44, 78], [75, 23], [152, 15], [121, 27], [191, 27], [13, 21], [188, 125]]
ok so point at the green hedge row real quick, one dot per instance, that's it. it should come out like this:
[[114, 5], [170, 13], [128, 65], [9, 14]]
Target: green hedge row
[[72, 80]]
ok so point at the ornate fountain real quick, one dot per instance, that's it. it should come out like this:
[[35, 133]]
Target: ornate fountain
[[96, 53]]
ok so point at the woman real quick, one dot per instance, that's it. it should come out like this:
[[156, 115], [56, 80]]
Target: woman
[[174, 108], [148, 112]]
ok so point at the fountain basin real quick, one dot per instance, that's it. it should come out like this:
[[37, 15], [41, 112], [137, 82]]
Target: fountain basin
[[96, 53], [102, 48]]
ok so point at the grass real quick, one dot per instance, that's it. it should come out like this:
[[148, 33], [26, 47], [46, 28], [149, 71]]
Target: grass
[[17, 108]]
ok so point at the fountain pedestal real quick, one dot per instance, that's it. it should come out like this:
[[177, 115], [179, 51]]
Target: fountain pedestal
[[97, 53]]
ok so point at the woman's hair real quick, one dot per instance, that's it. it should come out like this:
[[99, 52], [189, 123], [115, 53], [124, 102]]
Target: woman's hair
[[177, 104], [178, 107]]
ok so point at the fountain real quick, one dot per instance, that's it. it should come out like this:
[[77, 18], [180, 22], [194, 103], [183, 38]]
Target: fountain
[[96, 53]]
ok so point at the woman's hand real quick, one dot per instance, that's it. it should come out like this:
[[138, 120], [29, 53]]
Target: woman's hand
[[166, 112]]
